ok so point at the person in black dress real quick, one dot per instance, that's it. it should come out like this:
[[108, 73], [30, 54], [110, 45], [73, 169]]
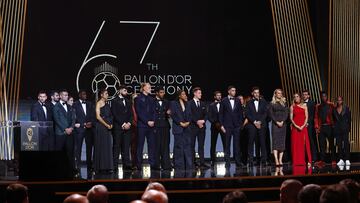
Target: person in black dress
[[279, 113], [103, 156], [342, 125]]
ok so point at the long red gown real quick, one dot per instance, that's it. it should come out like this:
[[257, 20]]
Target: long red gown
[[300, 144]]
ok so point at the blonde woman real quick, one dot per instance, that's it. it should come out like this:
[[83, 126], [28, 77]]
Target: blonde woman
[[300, 144], [279, 113]]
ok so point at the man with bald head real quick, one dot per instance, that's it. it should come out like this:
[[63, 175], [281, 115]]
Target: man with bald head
[[98, 194], [156, 186], [76, 198], [289, 191], [154, 196]]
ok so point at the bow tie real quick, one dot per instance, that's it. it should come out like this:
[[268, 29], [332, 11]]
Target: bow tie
[[256, 99], [121, 99], [232, 98], [217, 102], [160, 100], [64, 103], [42, 104], [83, 102]]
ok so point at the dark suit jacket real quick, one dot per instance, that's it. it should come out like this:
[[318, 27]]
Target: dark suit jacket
[[161, 116], [38, 114], [260, 115], [213, 113], [178, 115], [311, 111], [122, 114], [80, 116], [145, 110], [62, 119], [197, 113], [231, 118]]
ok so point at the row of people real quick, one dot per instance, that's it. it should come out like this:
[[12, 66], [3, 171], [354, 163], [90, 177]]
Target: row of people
[[113, 130]]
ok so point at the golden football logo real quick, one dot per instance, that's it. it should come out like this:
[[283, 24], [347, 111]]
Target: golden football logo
[[29, 133]]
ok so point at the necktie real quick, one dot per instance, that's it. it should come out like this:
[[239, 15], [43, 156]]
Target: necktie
[[198, 103]]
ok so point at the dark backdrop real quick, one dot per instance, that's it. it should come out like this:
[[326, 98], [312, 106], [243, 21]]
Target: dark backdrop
[[218, 43]]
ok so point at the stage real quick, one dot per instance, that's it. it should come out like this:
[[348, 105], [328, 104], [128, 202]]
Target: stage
[[259, 183]]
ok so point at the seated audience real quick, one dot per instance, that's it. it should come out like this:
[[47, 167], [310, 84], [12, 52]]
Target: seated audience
[[354, 189], [236, 196], [154, 196], [289, 191], [16, 193], [76, 198], [310, 194], [335, 194], [98, 194]]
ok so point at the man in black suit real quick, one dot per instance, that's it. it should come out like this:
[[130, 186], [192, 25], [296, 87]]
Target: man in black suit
[[231, 120], [311, 129], [122, 112], [256, 113], [64, 126], [197, 126], [41, 111], [162, 130], [214, 118], [85, 117], [54, 96]]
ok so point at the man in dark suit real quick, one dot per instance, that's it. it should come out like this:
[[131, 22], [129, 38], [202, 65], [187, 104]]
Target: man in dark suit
[[231, 119], [42, 112], [85, 117], [162, 130], [54, 96], [197, 126], [214, 118], [311, 129], [145, 111], [64, 126], [122, 112], [256, 113]]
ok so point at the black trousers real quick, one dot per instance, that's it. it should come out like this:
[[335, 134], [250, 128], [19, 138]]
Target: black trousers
[[254, 134], [162, 153], [326, 133], [198, 133], [88, 135], [313, 142], [235, 134], [343, 144], [46, 139], [65, 143], [121, 144], [215, 131]]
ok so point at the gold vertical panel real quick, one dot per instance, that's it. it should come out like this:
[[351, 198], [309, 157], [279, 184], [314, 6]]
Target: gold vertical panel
[[344, 55], [12, 25], [295, 45]]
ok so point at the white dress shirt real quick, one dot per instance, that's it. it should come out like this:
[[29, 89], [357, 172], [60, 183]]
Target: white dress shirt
[[232, 102], [64, 106], [44, 109], [218, 106], [83, 105], [256, 103]]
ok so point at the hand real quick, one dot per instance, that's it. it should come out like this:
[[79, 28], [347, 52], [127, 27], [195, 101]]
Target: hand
[[223, 129], [168, 111], [109, 127], [88, 125], [151, 123], [77, 125], [68, 131], [126, 126], [317, 131], [257, 125]]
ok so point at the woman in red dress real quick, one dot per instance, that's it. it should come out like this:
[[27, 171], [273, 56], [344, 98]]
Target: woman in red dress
[[300, 144]]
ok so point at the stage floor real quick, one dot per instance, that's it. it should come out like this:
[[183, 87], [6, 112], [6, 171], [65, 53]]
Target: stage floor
[[217, 171], [260, 184]]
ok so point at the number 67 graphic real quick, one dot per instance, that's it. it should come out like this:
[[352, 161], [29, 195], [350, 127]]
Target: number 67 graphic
[[87, 59]]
